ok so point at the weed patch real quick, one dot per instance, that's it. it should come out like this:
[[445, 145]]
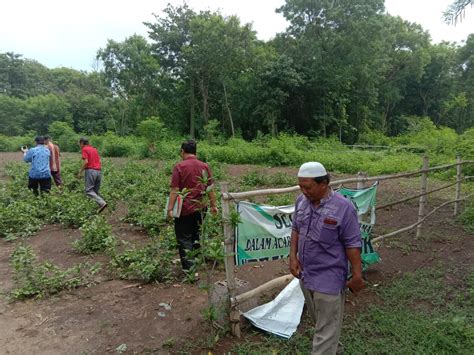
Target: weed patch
[[96, 237], [39, 279]]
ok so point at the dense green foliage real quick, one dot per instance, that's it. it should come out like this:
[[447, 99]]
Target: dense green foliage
[[343, 68]]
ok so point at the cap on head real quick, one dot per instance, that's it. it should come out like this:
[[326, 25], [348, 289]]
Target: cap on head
[[39, 140], [312, 169]]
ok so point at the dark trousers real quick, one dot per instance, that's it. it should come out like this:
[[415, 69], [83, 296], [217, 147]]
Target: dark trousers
[[57, 178], [44, 185], [187, 229]]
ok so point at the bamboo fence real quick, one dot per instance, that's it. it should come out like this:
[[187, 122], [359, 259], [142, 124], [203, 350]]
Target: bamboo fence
[[228, 198]]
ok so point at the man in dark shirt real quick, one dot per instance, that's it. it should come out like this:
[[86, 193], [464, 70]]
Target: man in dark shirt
[[192, 179], [93, 176]]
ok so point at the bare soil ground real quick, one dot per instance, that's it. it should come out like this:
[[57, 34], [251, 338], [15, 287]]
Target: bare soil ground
[[100, 318]]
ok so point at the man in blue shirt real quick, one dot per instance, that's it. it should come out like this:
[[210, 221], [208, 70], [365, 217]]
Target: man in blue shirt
[[40, 173]]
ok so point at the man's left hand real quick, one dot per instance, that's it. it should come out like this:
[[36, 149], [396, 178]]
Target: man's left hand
[[355, 284], [214, 210]]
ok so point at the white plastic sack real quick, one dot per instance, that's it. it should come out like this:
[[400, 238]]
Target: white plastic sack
[[282, 315]]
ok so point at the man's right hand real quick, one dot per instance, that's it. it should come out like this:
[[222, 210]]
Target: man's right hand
[[170, 214], [295, 267]]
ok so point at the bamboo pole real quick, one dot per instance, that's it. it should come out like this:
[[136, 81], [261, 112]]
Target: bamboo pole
[[390, 204], [421, 208], [275, 283], [361, 177], [360, 185], [254, 193], [457, 205], [410, 227], [234, 314]]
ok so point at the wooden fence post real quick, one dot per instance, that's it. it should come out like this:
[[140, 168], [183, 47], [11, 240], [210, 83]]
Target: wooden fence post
[[457, 204], [234, 314], [360, 185], [360, 177], [424, 184]]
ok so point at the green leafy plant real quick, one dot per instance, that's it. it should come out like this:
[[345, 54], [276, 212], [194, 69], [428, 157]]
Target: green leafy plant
[[18, 219], [39, 279], [152, 262], [96, 237], [467, 217]]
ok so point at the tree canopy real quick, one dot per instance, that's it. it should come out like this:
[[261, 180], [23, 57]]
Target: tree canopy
[[342, 68]]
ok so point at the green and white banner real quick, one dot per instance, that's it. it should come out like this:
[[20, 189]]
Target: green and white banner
[[264, 231]]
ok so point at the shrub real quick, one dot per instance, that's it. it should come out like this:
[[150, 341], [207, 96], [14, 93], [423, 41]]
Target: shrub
[[111, 145], [467, 217], [152, 262], [18, 219], [64, 136], [96, 236]]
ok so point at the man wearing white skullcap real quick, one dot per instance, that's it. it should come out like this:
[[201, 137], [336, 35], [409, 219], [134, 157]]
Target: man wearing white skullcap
[[325, 236]]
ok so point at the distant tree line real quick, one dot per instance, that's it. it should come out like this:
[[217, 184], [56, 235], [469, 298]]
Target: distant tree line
[[341, 68]]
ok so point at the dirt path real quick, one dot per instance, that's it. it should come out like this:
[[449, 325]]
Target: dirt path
[[121, 314]]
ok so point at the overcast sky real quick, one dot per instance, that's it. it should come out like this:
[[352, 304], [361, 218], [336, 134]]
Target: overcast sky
[[69, 33]]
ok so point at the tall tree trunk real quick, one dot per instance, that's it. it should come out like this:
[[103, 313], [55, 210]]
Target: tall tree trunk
[[229, 113], [385, 127], [424, 99], [192, 132], [205, 97]]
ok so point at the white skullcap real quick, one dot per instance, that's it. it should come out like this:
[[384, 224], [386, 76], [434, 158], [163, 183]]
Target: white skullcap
[[312, 169]]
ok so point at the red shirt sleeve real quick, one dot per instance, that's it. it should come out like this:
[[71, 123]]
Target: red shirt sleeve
[[84, 155], [175, 178]]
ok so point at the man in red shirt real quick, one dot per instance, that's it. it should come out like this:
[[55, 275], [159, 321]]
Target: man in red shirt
[[194, 178], [54, 160], [93, 175]]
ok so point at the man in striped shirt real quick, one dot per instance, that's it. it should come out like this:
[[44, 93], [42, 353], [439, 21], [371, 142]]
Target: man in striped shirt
[[54, 160]]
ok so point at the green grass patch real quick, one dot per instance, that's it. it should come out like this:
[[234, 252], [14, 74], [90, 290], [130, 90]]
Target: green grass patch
[[423, 312]]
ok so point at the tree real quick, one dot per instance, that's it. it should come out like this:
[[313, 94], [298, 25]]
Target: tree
[[133, 74], [338, 50], [276, 81], [456, 11], [22, 78], [205, 50], [12, 115], [43, 110], [170, 35], [220, 49], [406, 45]]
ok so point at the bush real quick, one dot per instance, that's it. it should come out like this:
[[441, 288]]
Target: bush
[[64, 136], [111, 145], [467, 217], [152, 262], [96, 236], [13, 144], [18, 219]]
